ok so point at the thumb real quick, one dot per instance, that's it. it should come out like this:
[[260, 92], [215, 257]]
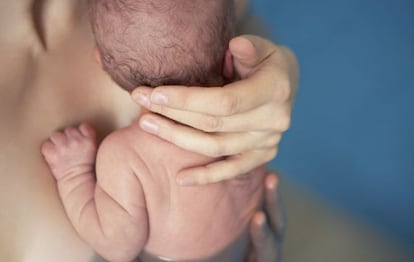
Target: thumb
[[249, 52]]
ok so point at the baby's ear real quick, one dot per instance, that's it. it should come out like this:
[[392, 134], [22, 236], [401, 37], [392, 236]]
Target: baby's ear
[[97, 55], [228, 68]]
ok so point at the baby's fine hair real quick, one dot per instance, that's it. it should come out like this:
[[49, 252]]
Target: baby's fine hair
[[163, 42]]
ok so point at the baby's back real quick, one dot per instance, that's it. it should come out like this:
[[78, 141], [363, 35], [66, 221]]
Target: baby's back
[[189, 222]]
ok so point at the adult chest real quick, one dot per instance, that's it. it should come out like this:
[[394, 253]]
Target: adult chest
[[40, 93]]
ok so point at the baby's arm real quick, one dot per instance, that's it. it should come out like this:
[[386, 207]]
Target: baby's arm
[[108, 212]]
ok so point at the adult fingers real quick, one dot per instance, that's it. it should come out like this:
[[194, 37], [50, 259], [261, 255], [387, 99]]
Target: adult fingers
[[234, 98], [269, 117], [257, 56], [249, 52], [225, 169], [254, 55], [209, 144], [266, 246], [273, 206]]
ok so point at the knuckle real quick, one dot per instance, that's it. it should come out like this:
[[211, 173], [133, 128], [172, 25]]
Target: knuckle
[[213, 178], [283, 122], [185, 99], [56, 135], [162, 110], [207, 177], [233, 171], [169, 132], [271, 154], [203, 180], [229, 104], [216, 148], [278, 137], [212, 124], [283, 90], [275, 140]]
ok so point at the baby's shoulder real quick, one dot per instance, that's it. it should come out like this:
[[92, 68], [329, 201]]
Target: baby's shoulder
[[120, 154], [133, 138], [132, 146], [125, 141]]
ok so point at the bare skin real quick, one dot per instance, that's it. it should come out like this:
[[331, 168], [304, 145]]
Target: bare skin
[[213, 121], [48, 80], [134, 202]]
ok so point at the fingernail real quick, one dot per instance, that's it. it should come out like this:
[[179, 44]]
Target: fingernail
[[159, 99], [149, 126], [271, 182], [260, 219], [186, 181], [142, 99]]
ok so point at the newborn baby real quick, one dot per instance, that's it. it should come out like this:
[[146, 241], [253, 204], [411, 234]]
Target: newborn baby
[[123, 198]]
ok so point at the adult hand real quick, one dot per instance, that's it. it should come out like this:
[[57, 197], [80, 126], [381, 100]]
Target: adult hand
[[267, 227], [241, 123]]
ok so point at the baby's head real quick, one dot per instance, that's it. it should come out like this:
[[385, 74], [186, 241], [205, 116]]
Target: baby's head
[[163, 42]]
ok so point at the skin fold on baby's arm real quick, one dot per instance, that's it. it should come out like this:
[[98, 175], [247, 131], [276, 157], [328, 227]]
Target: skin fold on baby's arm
[[101, 210]]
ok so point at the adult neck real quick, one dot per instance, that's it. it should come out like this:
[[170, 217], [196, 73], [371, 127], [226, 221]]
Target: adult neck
[[54, 18], [59, 10]]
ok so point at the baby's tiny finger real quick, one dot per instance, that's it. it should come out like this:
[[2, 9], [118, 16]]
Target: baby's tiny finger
[[58, 138], [87, 130], [48, 149], [73, 133]]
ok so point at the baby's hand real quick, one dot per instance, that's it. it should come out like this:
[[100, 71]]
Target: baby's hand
[[71, 152]]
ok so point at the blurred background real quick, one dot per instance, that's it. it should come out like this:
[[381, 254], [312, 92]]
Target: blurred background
[[348, 160]]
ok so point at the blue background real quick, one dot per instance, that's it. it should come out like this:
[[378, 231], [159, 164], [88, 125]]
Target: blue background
[[351, 139]]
